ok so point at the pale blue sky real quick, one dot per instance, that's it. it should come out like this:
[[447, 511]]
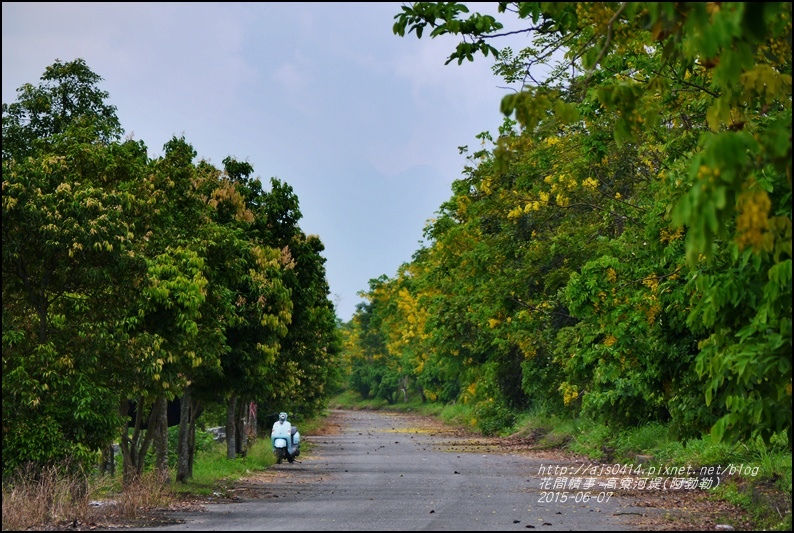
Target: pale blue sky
[[363, 124]]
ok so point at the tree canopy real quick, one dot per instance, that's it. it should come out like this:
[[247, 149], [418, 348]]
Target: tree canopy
[[128, 279], [622, 250]]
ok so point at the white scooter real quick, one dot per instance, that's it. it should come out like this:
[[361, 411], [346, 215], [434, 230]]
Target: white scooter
[[285, 439]]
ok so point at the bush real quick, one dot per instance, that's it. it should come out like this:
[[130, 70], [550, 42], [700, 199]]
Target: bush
[[493, 417]]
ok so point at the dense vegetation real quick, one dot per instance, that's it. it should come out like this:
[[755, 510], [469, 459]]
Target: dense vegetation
[[622, 250], [131, 281]]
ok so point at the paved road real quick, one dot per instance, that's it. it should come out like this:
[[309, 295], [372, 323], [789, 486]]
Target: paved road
[[394, 472]]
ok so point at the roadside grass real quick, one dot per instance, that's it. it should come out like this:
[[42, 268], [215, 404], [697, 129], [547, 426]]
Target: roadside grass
[[754, 475], [54, 495], [353, 400], [60, 497], [214, 474]]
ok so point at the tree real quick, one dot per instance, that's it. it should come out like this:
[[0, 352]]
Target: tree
[[69, 266], [68, 95], [699, 97]]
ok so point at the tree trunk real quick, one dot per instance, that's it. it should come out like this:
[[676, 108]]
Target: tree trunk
[[151, 429], [129, 443], [161, 439], [195, 412], [107, 462], [252, 421], [183, 449], [127, 467], [242, 435], [231, 428]]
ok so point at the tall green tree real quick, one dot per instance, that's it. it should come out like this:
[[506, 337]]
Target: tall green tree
[[173, 328], [259, 305], [69, 266]]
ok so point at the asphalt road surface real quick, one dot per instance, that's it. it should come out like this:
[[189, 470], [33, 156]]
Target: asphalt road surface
[[379, 471]]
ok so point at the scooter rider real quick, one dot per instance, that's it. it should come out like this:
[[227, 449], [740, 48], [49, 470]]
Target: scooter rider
[[282, 420], [282, 429]]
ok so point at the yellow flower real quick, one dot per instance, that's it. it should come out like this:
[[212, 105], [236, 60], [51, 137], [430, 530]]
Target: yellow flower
[[551, 141]]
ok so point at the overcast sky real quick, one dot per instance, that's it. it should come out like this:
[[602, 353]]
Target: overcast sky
[[363, 124]]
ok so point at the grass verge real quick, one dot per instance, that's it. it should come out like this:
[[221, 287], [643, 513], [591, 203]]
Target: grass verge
[[63, 498]]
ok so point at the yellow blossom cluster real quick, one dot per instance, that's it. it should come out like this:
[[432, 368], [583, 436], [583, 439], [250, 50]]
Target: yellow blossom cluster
[[569, 393], [752, 222], [562, 182], [652, 312], [667, 237], [602, 297], [560, 186], [705, 172], [551, 141], [527, 349], [485, 185], [652, 283], [654, 308], [528, 207], [471, 390], [534, 205]]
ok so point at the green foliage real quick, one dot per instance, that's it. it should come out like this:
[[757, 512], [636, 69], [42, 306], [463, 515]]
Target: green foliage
[[625, 255], [493, 417], [69, 265], [204, 443], [125, 277], [67, 97], [417, 17]]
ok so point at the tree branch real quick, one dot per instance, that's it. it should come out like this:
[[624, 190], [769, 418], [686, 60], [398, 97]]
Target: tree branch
[[609, 35]]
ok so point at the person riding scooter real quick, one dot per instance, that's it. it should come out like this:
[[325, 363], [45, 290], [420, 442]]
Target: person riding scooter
[[285, 439]]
